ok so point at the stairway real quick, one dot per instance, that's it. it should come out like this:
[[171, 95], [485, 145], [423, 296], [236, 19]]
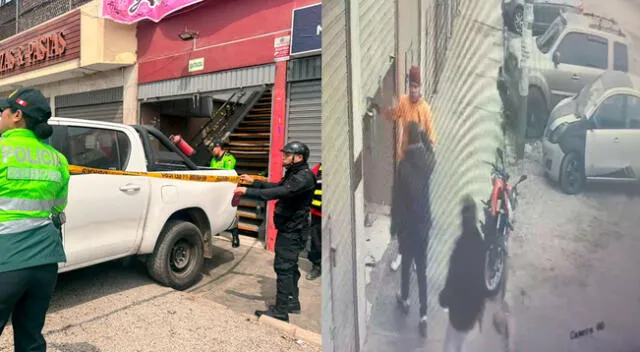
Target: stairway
[[249, 143]]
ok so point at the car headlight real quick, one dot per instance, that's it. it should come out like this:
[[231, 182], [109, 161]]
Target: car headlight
[[554, 136]]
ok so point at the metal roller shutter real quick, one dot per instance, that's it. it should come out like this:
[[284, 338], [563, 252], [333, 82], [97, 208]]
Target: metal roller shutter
[[109, 112], [305, 116], [102, 105]]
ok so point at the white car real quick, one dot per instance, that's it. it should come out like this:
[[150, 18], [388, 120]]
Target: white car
[[595, 135], [167, 222]]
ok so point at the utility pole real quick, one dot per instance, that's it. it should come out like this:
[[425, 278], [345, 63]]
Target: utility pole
[[527, 38]]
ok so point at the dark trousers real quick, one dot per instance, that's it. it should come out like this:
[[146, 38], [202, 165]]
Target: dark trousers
[[288, 248], [315, 252], [25, 295], [414, 251]]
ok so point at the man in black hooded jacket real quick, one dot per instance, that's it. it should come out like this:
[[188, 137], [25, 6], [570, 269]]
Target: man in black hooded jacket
[[464, 294], [291, 218], [411, 216]]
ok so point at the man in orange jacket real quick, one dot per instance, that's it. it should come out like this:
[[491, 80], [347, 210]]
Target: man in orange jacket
[[411, 107]]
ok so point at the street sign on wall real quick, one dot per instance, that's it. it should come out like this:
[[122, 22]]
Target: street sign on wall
[[281, 48], [306, 30]]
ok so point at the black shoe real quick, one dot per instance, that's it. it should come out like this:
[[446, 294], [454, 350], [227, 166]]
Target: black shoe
[[274, 314], [235, 241], [315, 273], [422, 326], [292, 308]]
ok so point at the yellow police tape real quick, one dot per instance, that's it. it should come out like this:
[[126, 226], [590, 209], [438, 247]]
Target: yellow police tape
[[75, 170]]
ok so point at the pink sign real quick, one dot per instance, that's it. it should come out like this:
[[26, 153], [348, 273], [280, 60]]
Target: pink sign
[[130, 11]]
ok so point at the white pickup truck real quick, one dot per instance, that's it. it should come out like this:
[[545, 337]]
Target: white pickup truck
[[167, 222]]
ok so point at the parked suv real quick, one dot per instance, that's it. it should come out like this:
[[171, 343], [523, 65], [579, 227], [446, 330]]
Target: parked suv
[[544, 13], [572, 53], [595, 135]]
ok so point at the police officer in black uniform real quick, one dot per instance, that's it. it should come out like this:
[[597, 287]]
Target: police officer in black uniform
[[294, 194]]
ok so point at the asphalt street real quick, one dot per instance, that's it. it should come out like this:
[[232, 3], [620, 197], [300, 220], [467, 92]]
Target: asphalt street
[[116, 307]]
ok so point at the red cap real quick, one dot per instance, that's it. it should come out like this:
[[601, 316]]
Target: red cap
[[414, 74]]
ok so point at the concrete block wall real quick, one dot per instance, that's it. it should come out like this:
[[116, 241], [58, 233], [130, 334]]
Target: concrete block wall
[[32, 13], [7, 20]]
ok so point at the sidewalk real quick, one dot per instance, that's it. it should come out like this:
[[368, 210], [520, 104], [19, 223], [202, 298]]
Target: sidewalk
[[467, 117], [243, 280]]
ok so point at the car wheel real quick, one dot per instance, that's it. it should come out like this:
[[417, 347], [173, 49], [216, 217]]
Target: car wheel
[[517, 20], [537, 114], [571, 173], [179, 255]]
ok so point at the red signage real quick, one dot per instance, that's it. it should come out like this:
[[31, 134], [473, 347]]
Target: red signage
[[48, 46]]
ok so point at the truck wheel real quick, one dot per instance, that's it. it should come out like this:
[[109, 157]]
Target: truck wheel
[[537, 114], [178, 257], [517, 20]]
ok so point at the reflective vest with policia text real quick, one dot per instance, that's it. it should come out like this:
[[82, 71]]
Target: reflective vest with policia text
[[34, 181], [228, 161], [316, 203]]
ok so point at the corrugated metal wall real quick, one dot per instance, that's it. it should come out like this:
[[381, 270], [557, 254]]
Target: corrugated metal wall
[[338, 289], [304, 105], [102, 105], [109, 112], [304, 121], [377, 42], [230, 79]]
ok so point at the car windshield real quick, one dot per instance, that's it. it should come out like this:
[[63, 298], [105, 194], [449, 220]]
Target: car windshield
[[589, 95], [545, 42]]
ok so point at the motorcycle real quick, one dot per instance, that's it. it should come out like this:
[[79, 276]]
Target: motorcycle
[[499, 212]]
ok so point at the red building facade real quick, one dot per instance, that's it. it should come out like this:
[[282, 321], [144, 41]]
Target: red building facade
[[224, 35]]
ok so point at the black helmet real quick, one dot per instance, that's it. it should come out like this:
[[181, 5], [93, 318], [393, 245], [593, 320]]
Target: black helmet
[[296, 147]]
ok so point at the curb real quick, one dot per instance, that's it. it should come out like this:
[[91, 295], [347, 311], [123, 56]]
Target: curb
[[292, 330], [289, 329]]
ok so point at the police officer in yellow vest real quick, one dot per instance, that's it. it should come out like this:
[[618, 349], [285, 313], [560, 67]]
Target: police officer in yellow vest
[[34, 180], [222, 159]]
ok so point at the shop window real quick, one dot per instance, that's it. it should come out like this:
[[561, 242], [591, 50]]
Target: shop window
[[98, 148]]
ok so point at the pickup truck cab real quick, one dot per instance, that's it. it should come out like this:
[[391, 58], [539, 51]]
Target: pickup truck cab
[[167, 222]]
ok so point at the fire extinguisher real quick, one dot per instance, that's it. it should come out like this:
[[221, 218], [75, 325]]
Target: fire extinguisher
[[182, 145]]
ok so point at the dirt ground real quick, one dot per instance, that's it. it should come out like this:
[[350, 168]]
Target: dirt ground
[[574, 265]]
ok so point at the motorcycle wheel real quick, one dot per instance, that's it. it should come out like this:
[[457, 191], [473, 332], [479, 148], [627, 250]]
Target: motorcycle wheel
[[495, 267]]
